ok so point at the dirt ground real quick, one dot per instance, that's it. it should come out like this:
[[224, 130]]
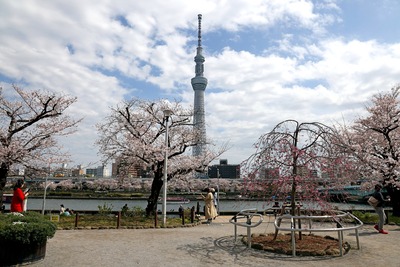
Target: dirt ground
[[307, 245]]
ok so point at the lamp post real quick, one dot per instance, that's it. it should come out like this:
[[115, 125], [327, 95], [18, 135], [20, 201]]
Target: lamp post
[[167, 114], [218, 191], [45, 191]]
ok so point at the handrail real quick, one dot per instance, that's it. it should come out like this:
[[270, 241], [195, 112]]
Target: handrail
[[336, 218], [247, 214]]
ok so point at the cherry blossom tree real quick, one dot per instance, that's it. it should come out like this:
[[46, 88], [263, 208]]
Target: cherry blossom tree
[[291, 160], [375, 141], [134, 133], [30, 122]]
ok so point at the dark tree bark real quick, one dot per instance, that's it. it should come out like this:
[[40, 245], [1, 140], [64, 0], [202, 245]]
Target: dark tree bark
[[156, 187], [394, 200], [3, 179]]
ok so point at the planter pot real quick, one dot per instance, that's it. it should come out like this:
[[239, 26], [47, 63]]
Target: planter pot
[[13, 253]]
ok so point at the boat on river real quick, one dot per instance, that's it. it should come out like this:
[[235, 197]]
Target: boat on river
[[175, 200], [352, 193]]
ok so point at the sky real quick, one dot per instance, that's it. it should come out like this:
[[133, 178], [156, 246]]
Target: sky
[[266, 61]]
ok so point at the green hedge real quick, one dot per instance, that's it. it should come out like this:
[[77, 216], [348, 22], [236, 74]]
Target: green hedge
[[25, 228]]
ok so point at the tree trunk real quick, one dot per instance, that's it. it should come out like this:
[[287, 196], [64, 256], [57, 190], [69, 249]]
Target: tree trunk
[[396, 208], [293, 200], [395, 201], [3, 179], [156, 187]]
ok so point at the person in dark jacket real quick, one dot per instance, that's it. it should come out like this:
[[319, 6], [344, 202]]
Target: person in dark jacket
[[380, 209]]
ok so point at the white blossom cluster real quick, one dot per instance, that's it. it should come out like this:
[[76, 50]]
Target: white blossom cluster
[[140, 185]]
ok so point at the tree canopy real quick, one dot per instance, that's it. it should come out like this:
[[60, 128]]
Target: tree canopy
[[134, 133], [374, 139], [30, 121], [294, 159]]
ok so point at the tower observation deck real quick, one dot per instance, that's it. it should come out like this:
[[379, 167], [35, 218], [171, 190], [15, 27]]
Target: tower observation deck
[[199, 84]]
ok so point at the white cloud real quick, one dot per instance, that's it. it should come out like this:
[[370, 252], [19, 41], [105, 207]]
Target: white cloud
[[303, 71]]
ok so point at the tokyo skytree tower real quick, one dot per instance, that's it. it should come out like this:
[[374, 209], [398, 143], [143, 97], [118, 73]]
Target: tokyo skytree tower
[[199, 84]]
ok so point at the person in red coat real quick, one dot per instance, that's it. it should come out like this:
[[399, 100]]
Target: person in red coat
[[17, 202]]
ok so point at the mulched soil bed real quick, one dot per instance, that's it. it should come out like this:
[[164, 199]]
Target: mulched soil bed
[[309, 245]]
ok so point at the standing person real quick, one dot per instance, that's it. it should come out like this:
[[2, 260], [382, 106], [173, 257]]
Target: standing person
[[380, 209], [17, 201], [180, 211], [62, 209], [209, 208], [124, 210], [215, 200]]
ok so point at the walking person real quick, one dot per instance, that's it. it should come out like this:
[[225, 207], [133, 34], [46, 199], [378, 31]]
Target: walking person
[[379, 208], [17, 201], [209, 209]]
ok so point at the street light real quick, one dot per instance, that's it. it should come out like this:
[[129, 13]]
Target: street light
[[45, 191], [218, 191], [167, 114]]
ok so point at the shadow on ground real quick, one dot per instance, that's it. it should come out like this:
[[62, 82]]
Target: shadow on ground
[[217, 251]]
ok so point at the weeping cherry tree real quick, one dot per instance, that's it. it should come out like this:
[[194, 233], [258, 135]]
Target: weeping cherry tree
[[293, 160]]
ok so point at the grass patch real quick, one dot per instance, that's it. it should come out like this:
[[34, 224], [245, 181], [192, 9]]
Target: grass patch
[[102, 220], [371, 217], [130, 217]]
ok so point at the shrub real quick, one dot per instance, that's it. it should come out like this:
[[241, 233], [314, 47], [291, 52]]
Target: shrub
[[25, 228], [134, 212], [105, 209]]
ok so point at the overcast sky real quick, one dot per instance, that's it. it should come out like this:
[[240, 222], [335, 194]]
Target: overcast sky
[[266, 60]]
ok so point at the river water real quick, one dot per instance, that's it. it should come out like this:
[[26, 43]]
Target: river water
[[53, 205]]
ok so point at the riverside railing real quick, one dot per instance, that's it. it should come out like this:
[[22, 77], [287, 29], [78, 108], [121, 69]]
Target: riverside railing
[[115, 219]]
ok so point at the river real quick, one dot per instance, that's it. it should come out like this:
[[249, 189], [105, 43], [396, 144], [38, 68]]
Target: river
[[227, 206]]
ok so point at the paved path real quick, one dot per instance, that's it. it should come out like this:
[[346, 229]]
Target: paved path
[[204, 245]]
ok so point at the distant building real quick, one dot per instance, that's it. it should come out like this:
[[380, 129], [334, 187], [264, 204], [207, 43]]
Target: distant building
[[269, 174], [62, 171], [78, 171], [123, 168], [100, 171], [91, 172], [224, 170]]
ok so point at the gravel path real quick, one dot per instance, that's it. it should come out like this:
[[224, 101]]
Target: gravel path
[[204, 245]]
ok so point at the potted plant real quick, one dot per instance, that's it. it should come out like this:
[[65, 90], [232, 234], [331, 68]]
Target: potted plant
[[23, 237]]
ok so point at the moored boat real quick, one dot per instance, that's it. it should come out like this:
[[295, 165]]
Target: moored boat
[[175, 200]]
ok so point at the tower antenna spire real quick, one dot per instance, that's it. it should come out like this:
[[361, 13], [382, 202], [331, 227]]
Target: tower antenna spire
[[199, 31]]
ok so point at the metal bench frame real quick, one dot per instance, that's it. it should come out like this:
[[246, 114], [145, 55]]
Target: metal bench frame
[[338, 217], [244, 219]]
